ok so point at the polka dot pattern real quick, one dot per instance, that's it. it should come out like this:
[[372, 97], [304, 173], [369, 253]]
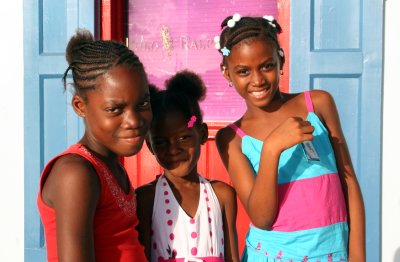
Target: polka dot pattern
[[179, 235]]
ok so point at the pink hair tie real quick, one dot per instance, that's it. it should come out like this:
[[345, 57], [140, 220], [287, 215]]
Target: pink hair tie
[[191, 121]]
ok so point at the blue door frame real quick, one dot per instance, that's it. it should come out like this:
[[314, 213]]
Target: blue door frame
[[336, 45], [48, 126]]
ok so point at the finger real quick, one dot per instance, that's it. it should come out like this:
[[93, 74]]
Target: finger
[[309, 129], [307, 137], [305, 123], [298, 118]]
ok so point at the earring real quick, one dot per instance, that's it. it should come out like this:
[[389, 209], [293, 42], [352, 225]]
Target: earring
[[281, 72], [230, 84], [223, 69]]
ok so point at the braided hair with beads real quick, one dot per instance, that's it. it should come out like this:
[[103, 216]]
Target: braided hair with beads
[[247, 28]]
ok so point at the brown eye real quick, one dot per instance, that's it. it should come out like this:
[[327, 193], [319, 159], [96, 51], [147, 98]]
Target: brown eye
[[113, 110], [184, 138], [269, 66], [242, 72], [144, 105]]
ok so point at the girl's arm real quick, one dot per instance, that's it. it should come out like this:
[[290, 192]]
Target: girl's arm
[[145, 201], [227, 199], [261, 190], [73, 189], [326, 108]]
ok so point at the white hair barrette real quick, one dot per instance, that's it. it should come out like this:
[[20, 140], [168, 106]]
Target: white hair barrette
[[232, 22], [270, 19]]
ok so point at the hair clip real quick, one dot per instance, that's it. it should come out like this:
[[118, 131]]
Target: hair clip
[[191, 122], [216, 42], [225, 51], [232, 22], [270, 20]]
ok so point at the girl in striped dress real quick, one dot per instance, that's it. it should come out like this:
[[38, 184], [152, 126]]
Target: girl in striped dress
[[286, 156]]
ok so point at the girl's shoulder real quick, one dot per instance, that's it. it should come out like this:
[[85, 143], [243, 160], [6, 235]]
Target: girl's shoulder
[[223, 191], [70, 177], [73, 167], [147, 191], [320, 96], [227, 131], [220, 185], [323, 103], [227, 135], [145, 195]]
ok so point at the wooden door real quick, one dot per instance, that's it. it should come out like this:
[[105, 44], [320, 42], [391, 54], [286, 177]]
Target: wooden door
[[50, 124], [337, 46]]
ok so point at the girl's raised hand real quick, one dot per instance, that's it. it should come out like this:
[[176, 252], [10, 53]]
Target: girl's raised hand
[[292, 131]]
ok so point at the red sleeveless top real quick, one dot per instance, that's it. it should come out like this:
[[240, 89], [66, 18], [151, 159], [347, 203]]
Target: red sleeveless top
[[115, 237]]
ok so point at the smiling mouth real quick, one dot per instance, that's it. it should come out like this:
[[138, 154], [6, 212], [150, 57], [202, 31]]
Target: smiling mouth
[[132, 140], [260, 93]]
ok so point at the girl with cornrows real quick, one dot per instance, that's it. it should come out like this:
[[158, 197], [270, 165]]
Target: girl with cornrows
[[86, 201], [286, 156], [183, 216]]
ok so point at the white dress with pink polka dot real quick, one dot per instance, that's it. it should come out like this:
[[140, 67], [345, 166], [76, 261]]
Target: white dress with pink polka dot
[[178, 237]]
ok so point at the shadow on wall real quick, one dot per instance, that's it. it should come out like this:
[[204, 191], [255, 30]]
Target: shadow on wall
[[397, 255]]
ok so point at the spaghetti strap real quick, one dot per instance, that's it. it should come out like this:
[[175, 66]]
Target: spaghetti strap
[[307, 96], [237, 130]]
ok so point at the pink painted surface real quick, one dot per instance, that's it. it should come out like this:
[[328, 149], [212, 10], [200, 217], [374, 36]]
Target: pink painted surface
[[172, 35]]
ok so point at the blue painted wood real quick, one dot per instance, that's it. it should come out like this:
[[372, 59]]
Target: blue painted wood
[[50, 123], [336, 45]]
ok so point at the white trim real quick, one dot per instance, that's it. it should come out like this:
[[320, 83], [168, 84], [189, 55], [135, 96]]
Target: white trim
[[11, 132], [391, 136]]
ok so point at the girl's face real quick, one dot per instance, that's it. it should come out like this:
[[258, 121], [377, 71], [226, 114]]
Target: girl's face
[[175, 145], [117, 113], [253, 66]]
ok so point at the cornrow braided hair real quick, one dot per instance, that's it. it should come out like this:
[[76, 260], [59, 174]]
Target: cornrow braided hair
[[89, 59], [247, 28]]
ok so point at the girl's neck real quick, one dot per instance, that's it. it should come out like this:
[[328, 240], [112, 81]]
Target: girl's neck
[[192, 178], [100, 151], [271, 109]]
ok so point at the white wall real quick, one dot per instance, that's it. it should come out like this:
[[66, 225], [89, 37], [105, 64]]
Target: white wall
[[11, 132], [391, 136]]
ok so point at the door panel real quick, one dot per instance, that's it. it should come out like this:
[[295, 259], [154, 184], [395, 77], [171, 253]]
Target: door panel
[[337, 46], [50, 123]]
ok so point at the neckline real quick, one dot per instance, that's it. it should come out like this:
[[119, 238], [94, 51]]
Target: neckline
[[201, 187], [110, 174], [309, 115]]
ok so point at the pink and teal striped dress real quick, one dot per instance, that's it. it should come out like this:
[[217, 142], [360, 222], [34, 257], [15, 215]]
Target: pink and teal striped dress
[[311, 224]]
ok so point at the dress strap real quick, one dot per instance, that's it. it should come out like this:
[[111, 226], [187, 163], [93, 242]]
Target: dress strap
[[307, 96], [237, 130]]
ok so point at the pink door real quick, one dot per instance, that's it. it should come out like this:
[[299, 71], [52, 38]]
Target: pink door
[[168, 38]]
